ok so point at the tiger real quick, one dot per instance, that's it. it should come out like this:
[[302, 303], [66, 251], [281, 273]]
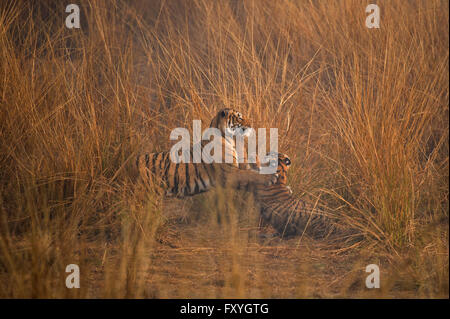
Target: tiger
[[188, 179], [231, 122], [288, 215], [284, 162]]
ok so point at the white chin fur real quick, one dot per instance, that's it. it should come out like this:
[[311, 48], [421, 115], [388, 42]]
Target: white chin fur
[[247, 132], [230, 131]]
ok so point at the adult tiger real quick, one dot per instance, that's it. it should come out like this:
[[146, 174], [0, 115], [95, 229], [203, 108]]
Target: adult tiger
[[230, 124], [189, 178], [287, 214]]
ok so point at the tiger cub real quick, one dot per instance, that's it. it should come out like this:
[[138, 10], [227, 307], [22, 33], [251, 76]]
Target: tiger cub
[[287, 214], [187, 179]]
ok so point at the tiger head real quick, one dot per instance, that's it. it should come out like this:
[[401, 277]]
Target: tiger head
[[284, 162], [230, 122]]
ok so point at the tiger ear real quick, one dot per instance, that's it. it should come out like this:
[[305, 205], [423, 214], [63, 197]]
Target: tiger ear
[[222, 113]]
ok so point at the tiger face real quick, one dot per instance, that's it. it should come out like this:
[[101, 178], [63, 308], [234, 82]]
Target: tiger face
[[284, 162], [230, 122]]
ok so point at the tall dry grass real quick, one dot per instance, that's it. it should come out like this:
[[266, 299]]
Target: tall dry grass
[[363, 113]]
